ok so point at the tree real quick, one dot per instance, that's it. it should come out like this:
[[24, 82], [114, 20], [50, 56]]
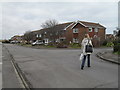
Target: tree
[[49, 23], [29, 36], [52, 31]]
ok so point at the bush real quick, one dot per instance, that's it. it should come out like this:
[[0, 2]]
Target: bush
[[5, 41], [51, 44], [116, 41], [110, 44], [116, 48], [105, 43], [61, 45]]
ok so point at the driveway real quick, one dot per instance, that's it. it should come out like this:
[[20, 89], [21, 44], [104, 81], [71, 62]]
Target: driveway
[[60, 68]]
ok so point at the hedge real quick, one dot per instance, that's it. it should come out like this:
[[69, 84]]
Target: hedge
[[116, 48]]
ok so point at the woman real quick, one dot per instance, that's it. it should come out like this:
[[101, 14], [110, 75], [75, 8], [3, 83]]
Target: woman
[[86, 41]]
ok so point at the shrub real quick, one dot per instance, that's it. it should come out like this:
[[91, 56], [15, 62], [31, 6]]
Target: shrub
[[5, 41], [116, 48], [105, 43], [116, 41], [51, 44], [61, 45], [110, 44]]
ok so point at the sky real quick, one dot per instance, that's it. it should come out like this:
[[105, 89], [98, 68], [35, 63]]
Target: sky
[[19, 17]]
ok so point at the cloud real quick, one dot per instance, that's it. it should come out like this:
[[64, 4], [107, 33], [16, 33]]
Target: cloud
[[23, 16]]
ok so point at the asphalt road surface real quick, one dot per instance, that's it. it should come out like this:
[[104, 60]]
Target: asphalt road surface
[[60, 68]]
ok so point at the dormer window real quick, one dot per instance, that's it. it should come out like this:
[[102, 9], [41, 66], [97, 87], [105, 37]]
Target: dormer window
[[90, 29], [75, 30]]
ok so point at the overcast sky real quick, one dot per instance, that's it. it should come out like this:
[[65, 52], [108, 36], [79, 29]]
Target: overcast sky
[[23, 16]]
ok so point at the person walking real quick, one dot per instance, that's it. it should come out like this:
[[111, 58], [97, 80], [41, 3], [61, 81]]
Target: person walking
[[86, 53]]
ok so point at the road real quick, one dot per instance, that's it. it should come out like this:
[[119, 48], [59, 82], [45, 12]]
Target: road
[[60, 68]]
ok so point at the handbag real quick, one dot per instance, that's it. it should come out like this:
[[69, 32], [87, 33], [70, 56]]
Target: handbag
[[88, 48], [81, 56]]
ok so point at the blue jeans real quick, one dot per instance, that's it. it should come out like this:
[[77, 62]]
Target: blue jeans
[[84, 59]]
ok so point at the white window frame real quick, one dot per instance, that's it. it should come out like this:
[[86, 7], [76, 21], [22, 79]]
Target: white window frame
[[75, 40], [96, 29], [75, 30], [45, 33], [90, 30], [37, 35], [46, 40], [40, 35]]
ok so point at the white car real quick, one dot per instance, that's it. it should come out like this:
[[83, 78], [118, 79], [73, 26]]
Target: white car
[[38, 42]]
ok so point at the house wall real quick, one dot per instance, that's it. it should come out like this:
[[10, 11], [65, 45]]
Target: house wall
[[80, 35], [84, 30], [101, 34], [97, 37]]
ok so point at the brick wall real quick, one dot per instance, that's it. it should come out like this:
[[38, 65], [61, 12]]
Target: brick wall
[[82, 31]]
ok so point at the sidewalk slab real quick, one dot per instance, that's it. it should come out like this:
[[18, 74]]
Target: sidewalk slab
[[9, 77], [109, 56]]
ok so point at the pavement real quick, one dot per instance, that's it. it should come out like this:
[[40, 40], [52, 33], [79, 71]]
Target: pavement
[[0, 66], [9, 76], [59, 68], [109, 56]]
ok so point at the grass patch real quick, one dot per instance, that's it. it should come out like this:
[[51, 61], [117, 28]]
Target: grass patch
[[117, 53], [28, 45], [74, 45], [49, 46]]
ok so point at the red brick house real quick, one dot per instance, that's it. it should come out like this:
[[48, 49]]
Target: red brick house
[[73, 32]]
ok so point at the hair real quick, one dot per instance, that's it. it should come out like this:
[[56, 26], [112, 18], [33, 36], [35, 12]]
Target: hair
[[87, 36]]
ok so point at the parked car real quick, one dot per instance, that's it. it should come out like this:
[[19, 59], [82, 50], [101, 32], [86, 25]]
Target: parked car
[[38, 42], [14, 42]]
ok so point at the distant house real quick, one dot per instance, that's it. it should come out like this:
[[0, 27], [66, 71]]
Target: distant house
[[16, 38], [72, 32], [110, 37]]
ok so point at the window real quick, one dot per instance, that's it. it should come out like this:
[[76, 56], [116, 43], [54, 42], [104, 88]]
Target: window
[[96, 29], [75, 40], [75, 30], [37, 35], [40, 35], [45, 32], [46, 40], [90, 29]]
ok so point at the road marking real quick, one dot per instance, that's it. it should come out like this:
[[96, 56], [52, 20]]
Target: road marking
[[0, 62]]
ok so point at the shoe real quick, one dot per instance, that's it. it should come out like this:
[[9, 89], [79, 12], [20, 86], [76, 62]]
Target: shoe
[[81, 68], [89, 66]]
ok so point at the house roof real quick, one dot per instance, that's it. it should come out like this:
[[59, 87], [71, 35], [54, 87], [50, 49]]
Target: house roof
[[91, 24], [58, 27], [64, 26]]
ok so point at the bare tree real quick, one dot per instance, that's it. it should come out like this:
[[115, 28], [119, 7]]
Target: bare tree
[[29, 36], [52, 29], [49, 23]]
